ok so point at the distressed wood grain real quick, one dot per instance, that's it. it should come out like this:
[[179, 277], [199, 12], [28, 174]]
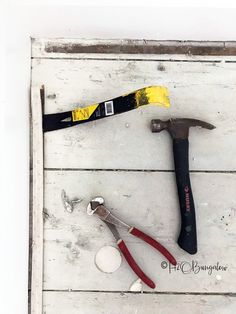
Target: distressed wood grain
[[128, 49], [148, 201], [201, 78], [37, 203], [117, 303], [198, 90]]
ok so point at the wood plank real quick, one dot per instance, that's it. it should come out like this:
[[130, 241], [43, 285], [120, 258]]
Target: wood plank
[[148, 201], [202, 86], [37, 203], [117, 303], [128, 49], [199, 90]]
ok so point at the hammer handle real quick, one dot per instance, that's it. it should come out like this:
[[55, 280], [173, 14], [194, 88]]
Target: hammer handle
[[188, 235]]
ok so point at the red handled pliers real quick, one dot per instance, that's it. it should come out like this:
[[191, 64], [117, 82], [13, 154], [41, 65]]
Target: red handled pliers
[[96, 206]]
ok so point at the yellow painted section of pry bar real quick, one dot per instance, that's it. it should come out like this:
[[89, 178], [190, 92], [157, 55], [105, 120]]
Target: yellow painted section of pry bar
[[83, 113], [152, 95]]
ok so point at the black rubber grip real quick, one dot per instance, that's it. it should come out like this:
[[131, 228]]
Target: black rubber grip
[[188, 234]]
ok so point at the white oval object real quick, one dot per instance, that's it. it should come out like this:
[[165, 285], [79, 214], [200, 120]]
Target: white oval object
[[136, 285], [108, 259]]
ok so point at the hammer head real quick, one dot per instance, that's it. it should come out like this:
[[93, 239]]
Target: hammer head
[[178, 128]]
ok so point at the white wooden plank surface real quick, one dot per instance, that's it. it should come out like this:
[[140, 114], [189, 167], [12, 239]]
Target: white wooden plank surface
[[199, 90], [149, 201], [202, 87], [37, 203], [111, 303]]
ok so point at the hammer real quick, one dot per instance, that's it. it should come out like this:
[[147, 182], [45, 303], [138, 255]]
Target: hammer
[[179, 131]]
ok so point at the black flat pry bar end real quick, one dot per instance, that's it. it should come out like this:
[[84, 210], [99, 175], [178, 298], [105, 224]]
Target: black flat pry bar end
[[61, 120], [57, 121]]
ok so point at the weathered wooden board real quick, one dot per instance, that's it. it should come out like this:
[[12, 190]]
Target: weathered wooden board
[[149, 201], [117, 303], [120, 159], [132, 49], [199, 90], [36, 263]]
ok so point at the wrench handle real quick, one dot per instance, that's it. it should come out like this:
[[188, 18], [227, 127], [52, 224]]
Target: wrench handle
[[188, 235]]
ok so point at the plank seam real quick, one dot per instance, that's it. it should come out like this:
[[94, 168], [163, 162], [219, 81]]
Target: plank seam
[[233, 294], [137, 170], [132, 59]]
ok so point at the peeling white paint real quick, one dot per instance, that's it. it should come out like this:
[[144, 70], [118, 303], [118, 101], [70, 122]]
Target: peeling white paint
[[233, 212], [65, 150]]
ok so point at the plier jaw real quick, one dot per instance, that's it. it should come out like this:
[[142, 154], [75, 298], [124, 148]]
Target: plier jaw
[[94, 204]]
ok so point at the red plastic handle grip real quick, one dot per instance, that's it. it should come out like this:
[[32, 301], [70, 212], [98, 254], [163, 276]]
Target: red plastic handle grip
[[134, 265], [139, 234]]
